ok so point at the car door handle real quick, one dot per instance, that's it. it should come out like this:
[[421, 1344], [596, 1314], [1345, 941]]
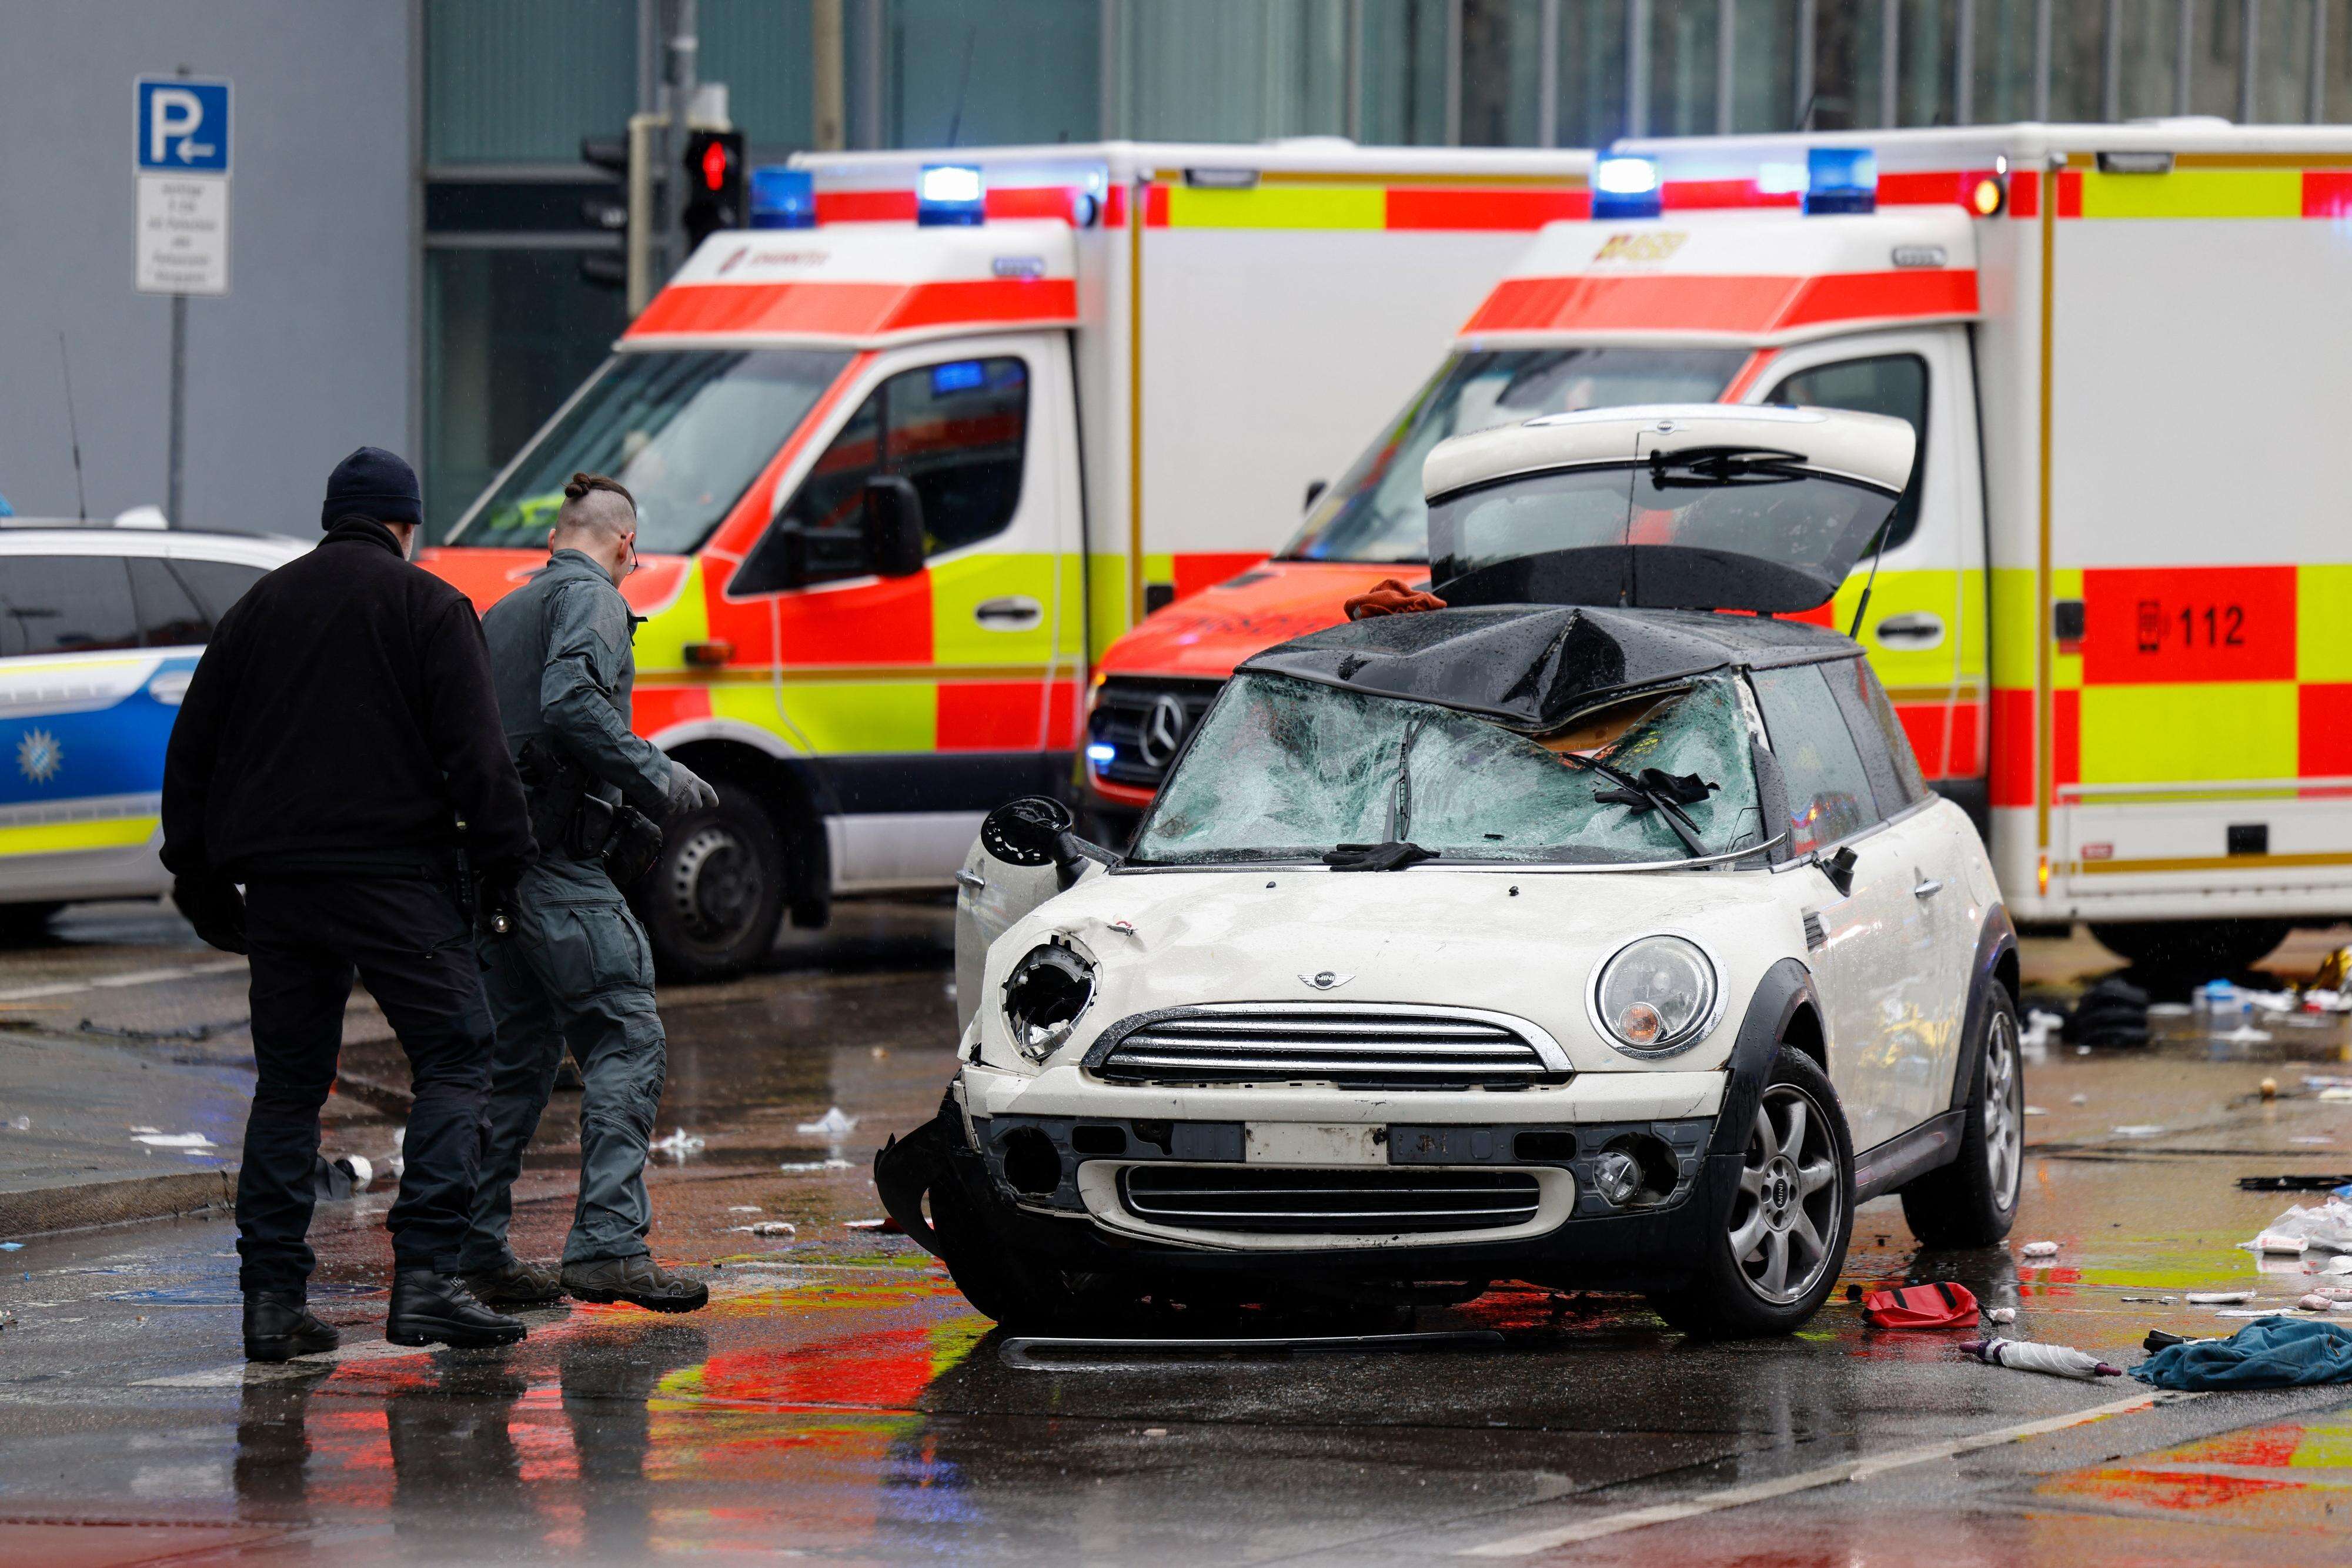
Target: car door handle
[[1014, 613], [969, 878], [1916, 630], [1928, 888]]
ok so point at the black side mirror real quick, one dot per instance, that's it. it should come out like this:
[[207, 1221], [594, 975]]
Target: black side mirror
[[1035, 830], [893, 526], [1314, 489], [1839, 869]]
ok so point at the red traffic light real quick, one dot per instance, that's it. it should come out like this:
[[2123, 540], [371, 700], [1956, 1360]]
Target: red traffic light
[[714, 166]]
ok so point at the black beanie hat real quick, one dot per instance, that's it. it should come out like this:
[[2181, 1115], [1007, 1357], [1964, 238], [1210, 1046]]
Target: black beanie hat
[[375, 484]]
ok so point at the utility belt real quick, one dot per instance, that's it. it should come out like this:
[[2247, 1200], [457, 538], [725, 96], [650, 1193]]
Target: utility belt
[[569, 818]]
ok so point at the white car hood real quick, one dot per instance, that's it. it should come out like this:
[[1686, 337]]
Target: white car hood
[[1519, 943]]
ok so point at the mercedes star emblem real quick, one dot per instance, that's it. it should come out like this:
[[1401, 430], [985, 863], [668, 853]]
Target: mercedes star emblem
[[1163, 731]]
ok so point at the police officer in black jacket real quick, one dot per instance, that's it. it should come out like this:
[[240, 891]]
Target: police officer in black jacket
[[339, 754]]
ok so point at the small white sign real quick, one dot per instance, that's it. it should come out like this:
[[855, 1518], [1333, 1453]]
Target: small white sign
[[182, 233]]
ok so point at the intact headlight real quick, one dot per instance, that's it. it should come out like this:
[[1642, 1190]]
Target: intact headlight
[[1044, 996], [1655, 996]]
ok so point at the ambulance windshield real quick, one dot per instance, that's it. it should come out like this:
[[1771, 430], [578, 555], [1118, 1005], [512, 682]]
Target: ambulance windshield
[[685, 430], [1375, 512]]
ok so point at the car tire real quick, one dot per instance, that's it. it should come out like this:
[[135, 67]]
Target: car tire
[[712, 902], [1796, 1182], [2207, 948], [1972, 1201], [22, 924]]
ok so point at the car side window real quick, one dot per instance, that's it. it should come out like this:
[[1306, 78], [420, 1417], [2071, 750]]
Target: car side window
[[216, 584], [1886, 756], [956, 431], [66, 604], [1894, 385], [1829, 791], [168, 615]]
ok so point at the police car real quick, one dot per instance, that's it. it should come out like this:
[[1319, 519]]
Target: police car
[[100, 630]]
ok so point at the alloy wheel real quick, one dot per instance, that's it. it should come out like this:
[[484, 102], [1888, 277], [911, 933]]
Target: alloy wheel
[[714, 885], [1787, 1214], [2004, 1111]]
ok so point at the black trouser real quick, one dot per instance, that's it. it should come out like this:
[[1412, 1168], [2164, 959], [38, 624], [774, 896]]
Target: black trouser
[[410, 942]]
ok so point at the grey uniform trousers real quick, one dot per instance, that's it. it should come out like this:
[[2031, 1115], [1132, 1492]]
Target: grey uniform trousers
[[576, 968]]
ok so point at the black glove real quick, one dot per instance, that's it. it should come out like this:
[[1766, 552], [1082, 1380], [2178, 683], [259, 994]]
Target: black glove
[[214, 908]]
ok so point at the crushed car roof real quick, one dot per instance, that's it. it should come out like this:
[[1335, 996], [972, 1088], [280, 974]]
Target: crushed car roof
[[1535, 667]]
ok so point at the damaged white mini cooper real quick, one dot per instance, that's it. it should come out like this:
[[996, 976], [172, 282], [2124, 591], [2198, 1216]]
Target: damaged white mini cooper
[[1578, 932]]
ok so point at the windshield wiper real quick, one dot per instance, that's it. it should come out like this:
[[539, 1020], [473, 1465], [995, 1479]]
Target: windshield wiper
[[1652, 790], [1696, 466], [1394, 855], [1401, 797]]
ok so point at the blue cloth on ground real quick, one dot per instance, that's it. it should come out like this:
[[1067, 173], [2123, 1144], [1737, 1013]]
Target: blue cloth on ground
[[2269, 1353]]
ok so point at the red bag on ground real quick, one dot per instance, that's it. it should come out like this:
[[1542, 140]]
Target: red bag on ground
[[1935, 1306]]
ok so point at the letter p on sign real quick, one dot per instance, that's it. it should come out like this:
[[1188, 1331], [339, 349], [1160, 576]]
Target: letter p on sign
[[183, 126]]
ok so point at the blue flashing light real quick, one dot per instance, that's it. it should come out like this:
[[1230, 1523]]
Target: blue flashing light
[[1840, 179], [783, 198], [960, 375], [1102, 753], [950, 193], [1625, 188]]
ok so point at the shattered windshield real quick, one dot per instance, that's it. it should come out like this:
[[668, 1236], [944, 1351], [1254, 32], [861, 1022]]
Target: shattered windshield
[[1289, 770], [1375, 512], [685, 430]]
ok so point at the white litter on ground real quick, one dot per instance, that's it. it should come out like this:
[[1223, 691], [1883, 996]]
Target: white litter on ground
[[2057, 1360], [796, 1168], [2217, 1298], [768, 1227], [156, 1140], [2325, 1228], [832, 1126], [742, 1208], [2035, 1110], [2038, 1249], [679, 1145], [2000, 1314], [2080, 1099], [2138, 1130]]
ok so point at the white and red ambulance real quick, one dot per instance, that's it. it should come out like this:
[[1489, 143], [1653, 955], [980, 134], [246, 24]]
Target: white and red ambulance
[[2116, 611], [909, 459]]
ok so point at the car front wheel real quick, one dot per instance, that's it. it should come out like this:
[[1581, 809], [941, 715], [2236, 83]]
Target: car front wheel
[[1971, 1201], [1773, 1260]]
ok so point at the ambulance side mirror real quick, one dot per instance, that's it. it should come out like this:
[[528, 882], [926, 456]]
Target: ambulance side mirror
[[893, 526]]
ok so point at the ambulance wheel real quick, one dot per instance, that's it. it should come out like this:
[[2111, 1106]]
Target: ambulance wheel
[[1972, 1201], [2198, 950], [712, 902], [1775, 1256], [21, 924]]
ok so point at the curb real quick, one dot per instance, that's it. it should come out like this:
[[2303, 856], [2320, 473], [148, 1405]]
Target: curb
[[80, 1208]]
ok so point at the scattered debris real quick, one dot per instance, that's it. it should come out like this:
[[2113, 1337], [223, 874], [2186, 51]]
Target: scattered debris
[[2038, 1249], [2218, 1298], [2035, 1110], [677, 1146], [2274, 1352], [2158, 1301], [2292, 1183], [2139, 1130], [2337, 1266], [2269, 1087], [337, 1179], [2317, 1302], [743, 1209], [23, 1124], [832, 1125], [2337, 1096], [2272, 1241], [884, 1225], [11, 1247], [768, 1227], [2042, 1027], [2000, 1314], [794, 1167], [2026, 1356], [2326, 1226], [156, 1140], [1155, 1431], [1939, 1305], [2312, 1138], [2079, 1100]]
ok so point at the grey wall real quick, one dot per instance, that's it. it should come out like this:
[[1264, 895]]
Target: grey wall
[[307, 356]]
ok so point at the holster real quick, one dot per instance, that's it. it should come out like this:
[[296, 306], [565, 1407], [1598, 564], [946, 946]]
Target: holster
[[635, 845], [566, 815]]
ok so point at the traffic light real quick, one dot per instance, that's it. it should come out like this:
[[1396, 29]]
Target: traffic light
[[714, 184]]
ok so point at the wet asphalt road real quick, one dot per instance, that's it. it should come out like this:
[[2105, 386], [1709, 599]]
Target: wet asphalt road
[[839, 1400]]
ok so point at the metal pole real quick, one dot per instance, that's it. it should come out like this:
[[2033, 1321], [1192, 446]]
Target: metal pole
[[1547, 72], [1109, 99], [826, 126], [1802, 111], [174, 462], [2111, 65], [2185, 41], [1726, 30], [1356, 70], [683, 45], [1890, 61], [868, 109], [650, 74], [1637, 68], [2315, 92], [2249, 41], [2041, 60], [1964, 63], [1454, 73]]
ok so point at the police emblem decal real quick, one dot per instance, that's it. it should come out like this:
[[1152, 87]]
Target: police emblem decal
[[38, 757]]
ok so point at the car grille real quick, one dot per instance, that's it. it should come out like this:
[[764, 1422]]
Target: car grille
[[1123, 712], [1329, 1202], [1358, 1047]]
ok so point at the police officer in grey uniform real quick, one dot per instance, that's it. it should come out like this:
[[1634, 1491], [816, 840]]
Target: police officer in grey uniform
[[575, 966]]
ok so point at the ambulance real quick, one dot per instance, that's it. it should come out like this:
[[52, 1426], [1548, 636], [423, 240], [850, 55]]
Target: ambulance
[[2114, 609], [912, 452]]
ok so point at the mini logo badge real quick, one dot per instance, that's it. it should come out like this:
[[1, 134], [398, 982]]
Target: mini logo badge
[[38, 756], [1325, 980], [1163, 731]]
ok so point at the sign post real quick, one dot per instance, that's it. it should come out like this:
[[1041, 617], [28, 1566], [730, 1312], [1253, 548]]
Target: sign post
[[180, 131]]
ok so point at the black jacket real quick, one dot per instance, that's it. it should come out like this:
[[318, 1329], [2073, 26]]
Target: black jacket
[[342, 717]]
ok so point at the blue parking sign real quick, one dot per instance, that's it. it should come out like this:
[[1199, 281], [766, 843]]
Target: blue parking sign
[[183, 126]]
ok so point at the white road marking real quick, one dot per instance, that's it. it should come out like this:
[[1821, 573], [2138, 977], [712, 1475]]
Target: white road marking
[[115, 982], [1855, 1469]]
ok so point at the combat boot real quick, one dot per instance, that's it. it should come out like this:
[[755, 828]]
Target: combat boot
[[436, 1308], [515, 1283], [278, 1326], [638, 1280]]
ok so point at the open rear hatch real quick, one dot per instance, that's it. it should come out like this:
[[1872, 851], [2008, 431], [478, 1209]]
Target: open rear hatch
[[1704, 506]]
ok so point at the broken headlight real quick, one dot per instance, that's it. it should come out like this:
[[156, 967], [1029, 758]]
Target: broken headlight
[[1044, 996], [1654, 996]]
